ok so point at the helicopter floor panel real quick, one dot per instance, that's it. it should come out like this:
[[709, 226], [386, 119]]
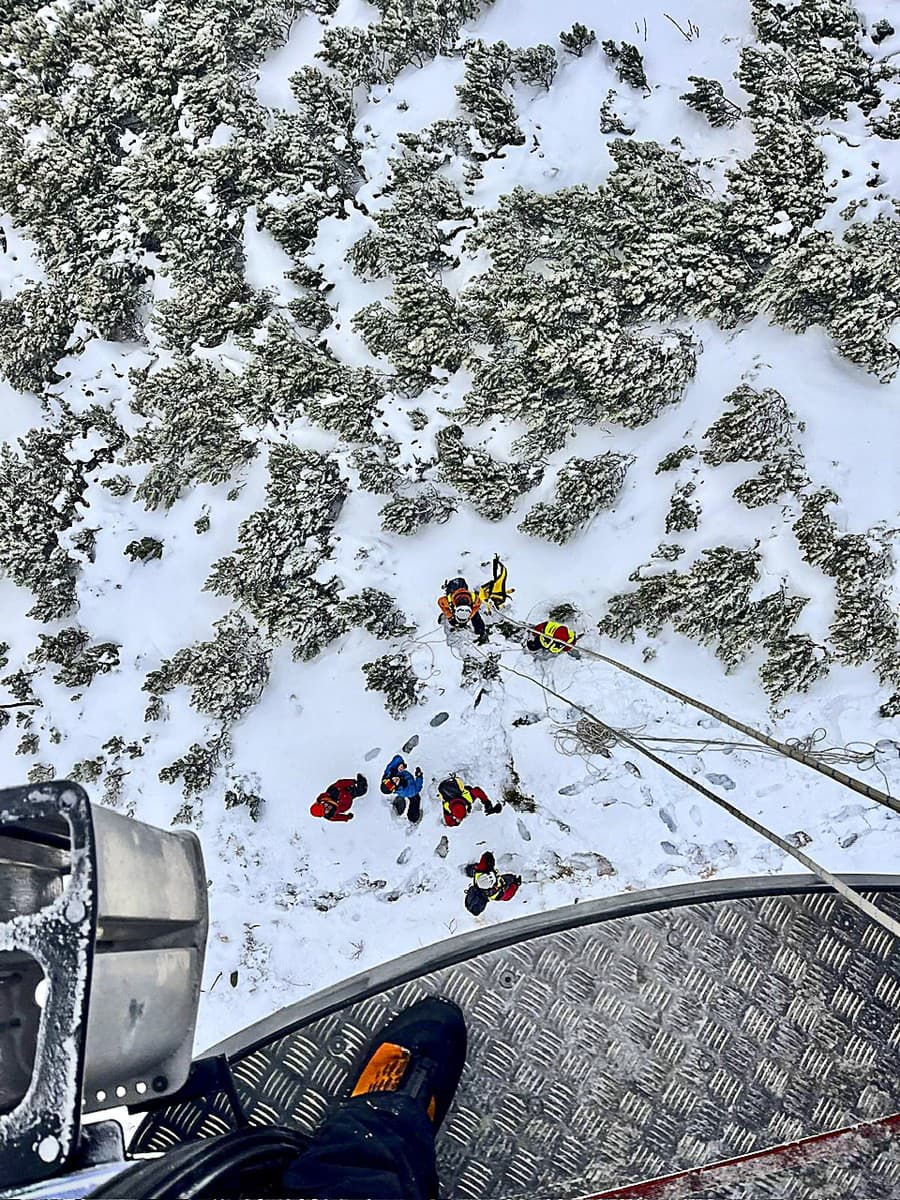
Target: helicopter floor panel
[[615, 1041]]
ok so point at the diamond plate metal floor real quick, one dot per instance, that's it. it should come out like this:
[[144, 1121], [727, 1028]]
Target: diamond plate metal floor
[[625, 1049]]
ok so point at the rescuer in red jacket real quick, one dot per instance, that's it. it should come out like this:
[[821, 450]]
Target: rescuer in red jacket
[[335, 802]]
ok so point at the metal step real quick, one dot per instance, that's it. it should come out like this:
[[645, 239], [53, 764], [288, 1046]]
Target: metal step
[[614, 1041]]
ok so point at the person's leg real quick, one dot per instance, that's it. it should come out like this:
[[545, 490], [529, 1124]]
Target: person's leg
[[380, 1142], [361, 786], [377, 1146], [415, 808]]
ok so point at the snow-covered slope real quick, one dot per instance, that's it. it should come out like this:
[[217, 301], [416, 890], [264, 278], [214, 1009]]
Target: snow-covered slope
[[199, 334]]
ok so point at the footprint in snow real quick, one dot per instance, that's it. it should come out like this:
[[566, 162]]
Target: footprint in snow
[[722, 781], [370, 754], [410, 744], [403, 856], [665, 815], [523, 830], [439, 719]]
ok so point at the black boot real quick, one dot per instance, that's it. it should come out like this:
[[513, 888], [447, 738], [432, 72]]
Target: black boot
[[420, 1054]]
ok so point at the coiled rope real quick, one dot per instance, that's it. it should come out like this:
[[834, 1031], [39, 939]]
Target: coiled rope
[[848, 893], [797, 749]]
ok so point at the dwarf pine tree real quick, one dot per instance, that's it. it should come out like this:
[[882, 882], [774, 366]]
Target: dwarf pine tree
[[78, 660], [227, 675], [407, 514], [420, 331], [484, 98], [193, 432], [40, 490], [491, 487], [684, 511], [850, 287], [393, 675], [711, 603], [610, 121], [279, 548], [536, 65], [35, 327], [627, 62], [756, 427], [583, 487], [376, 612], [708, 97], [674, 459], [197, 767], [577, 39]]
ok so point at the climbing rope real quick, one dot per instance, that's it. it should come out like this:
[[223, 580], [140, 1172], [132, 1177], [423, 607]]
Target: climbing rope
[[848, 893], [796, 748]]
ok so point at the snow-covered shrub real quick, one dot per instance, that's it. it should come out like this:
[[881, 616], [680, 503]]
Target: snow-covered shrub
[[410, 32], [684, 511], [242, 795], [711, 604], [577, 39], [610, 121], [393, 675], [290, 376], [209, 307], [193, 433], [279, 547], [628, 63], [117, 485], [412, 232], [491, 487], [407, 514], [708, 97], [779, 190], [820, 40], [197, 767], [536, 65], [226, 675], [814, 529], [39, 491], [756, 427], [479, 670], [794, 664], [377, 472], [419, 331], [144, 549], [851, 287], [674, 459], [583, 487], [482, 95], [784, 474], [887, 124], [35, 327], [375, 611], [80, 662]]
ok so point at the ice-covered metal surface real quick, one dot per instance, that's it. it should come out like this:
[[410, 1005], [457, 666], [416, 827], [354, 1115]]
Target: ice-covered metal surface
[[644, 1044]]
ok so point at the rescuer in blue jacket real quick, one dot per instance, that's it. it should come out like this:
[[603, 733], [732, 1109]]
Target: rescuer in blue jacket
[[398, 781]]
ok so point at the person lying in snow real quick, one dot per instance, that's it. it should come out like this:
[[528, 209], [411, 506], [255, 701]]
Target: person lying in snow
[[335, 802], [460, 605], [552, 637], [403, 785], [488, 884], [457, 800]]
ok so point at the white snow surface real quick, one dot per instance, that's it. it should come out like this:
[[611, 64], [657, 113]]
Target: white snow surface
[[297, 904]]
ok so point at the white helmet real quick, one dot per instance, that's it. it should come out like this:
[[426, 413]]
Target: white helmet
[[486, 881], [463, 612]]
